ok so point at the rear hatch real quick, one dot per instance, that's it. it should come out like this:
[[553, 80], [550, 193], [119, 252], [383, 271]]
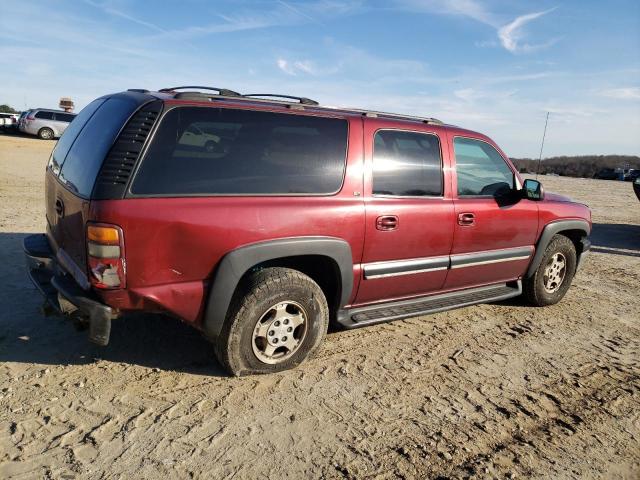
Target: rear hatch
[[72, 171]]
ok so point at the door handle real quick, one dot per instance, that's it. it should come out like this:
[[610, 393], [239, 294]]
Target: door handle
[[387, 222], [466, 219], [59, 207]]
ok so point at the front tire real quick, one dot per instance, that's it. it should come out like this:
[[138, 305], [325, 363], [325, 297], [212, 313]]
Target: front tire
[[45, 133], [554, 275], [278, 317]]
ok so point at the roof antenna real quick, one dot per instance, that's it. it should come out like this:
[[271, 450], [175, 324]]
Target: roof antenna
[[542, 146]]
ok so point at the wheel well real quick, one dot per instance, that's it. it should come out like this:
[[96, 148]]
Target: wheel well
[[322, 270], [576, 237]]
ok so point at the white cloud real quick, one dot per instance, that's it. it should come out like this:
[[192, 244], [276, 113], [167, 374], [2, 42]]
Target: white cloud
[[511, 33], [285, 66], [118, 13], [627, 93], [297, 66]]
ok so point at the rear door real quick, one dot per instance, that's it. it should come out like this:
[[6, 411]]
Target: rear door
[[409, 213], [72, 171]]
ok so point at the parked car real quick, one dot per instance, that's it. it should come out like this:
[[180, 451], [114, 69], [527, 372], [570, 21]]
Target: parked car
[[607, 174], [46, 124], [306, 215], [636, 187], [21, 118], [195, 136], [8, 120], [631, 174]]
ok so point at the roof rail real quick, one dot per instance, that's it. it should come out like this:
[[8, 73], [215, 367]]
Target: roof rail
[[400, 116], [301, 100], [225, 92]]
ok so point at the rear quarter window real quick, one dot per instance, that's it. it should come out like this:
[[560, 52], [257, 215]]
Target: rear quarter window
[[209, 151], [93, 139], [64, 117]]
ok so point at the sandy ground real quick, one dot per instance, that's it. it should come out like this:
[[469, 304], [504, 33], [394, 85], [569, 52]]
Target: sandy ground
[[492, 391]]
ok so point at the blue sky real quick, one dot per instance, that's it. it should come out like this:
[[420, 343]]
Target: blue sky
[[496, 66]]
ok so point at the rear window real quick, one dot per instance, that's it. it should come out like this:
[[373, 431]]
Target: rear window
[[97, 134], [45, 115], [200, 151]]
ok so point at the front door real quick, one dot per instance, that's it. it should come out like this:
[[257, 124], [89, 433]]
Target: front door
[[495, 230], [409, 213]]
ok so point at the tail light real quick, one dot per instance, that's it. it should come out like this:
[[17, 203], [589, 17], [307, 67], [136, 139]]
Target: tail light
[[105, 256]]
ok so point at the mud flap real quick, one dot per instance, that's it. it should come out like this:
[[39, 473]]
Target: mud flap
[[99, 329]]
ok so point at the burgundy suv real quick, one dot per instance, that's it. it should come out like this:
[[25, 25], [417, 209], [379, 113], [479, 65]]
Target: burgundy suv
[[258, 219]]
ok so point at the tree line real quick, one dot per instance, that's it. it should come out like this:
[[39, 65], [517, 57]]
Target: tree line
[[576, 166]]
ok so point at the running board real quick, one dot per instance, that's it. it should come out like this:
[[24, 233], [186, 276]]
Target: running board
[[387, 312]]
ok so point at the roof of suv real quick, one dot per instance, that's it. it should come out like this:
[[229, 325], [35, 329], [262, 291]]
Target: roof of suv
[[225, 95]]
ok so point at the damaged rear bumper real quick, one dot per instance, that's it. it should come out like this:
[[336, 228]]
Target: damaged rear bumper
[[63, 293]]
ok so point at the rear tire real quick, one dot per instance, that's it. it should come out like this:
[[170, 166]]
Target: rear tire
[[554, 275], [45, 133], [210, 146], [278, 317]]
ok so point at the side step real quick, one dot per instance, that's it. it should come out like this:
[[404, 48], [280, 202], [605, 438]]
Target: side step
[[358, 317]]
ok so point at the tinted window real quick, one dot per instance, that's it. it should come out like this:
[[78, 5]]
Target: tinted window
[[64, 117], [406, 164], [70, 134], [45, 115], [480, 168], [224, 151], [85, 157]]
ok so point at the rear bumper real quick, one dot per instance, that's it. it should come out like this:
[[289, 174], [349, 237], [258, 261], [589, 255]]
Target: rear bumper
[[62, 292]]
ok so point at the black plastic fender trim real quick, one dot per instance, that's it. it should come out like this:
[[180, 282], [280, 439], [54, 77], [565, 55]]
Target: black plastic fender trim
[[236, 263], [547, 234]]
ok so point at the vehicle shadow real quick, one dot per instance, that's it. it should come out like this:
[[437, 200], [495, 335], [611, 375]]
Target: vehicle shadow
[[28, 336], [616, 238]]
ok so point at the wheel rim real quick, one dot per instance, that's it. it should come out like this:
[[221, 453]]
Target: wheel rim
[[279, 332], [554, 272], [46, 134]]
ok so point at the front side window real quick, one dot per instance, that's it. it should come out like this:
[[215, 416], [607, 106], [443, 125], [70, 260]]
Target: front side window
[[481, 170], [406, 164], [209, 151]]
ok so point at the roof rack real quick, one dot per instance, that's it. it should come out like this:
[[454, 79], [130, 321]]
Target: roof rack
[[225, 92], [301, 100], [400, 116]]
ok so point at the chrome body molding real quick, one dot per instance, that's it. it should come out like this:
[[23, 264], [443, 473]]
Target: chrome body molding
[[431, 264], [405, 267], [490, 256]]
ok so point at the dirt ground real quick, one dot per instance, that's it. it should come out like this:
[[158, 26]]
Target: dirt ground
[[492, 391]]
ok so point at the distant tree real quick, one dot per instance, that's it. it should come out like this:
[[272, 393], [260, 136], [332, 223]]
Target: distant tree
[[579, 166], [7, 109]]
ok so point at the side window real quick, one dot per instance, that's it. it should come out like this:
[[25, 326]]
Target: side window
[[406, 164], [481, 170], [243, 152], [64, 117], [45, 115]]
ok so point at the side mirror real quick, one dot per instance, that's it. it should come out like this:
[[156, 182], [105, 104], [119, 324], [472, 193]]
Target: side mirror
[[532, 190]]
